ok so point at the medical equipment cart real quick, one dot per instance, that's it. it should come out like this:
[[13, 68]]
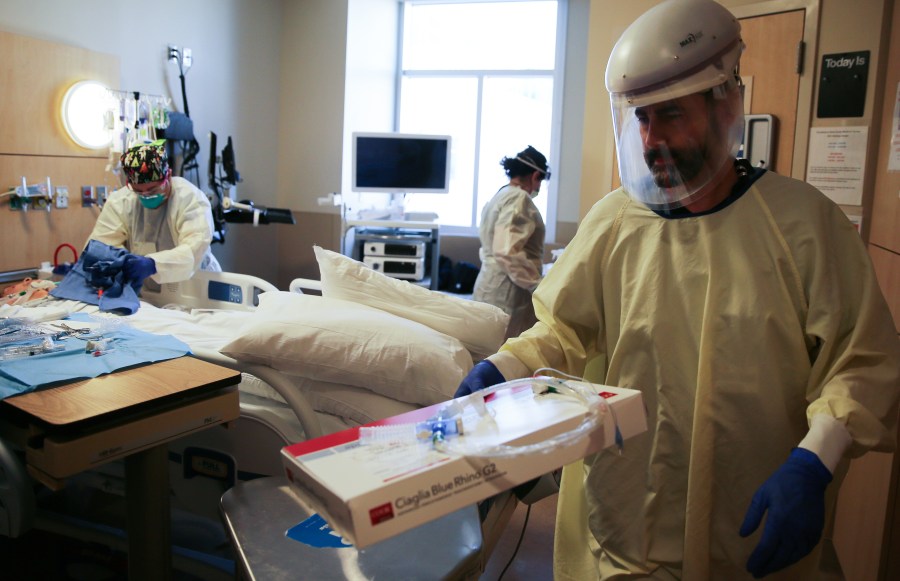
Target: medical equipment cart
[[403, 249]]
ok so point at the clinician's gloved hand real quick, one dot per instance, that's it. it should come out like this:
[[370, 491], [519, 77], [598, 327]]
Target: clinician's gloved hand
[[137, 268], [484, 374], [794, 497]]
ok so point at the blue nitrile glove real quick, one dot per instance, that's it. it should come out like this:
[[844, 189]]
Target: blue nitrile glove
[[484, 374], [137, 268], [794, 497]]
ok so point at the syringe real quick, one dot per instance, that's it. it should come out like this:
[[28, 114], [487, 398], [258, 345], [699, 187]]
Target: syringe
[[18, 351]]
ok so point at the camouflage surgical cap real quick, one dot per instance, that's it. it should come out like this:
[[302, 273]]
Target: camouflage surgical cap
[[146, 163]]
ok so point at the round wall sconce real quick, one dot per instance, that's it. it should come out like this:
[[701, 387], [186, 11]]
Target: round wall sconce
[[84, 108]]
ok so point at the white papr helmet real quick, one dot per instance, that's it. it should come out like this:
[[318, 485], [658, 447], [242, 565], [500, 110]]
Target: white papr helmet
[[677, 48]]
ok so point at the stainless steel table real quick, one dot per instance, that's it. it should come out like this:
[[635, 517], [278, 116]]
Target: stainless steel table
[[258, 513]]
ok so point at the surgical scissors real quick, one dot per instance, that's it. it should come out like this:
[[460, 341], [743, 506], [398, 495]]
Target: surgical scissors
[[73, 331]]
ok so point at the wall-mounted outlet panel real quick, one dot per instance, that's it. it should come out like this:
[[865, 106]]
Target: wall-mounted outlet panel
[[30, 197], [87, 196], [18, 203], [100, 194], [62, 197]]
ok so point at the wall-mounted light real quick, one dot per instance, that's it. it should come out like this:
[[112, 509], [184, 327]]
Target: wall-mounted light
[[84, 108]]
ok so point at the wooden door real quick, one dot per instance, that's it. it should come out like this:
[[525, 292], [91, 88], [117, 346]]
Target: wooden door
[[769, 67]]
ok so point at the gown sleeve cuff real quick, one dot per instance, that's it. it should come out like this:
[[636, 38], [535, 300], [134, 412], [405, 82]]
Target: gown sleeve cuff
[[828, 439], [509, 365]]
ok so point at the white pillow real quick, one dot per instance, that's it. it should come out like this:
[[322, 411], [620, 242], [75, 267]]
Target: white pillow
[[341, 342], [481, 327]]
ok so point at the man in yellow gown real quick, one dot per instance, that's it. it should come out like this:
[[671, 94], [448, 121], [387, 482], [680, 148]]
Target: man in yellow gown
[[744, 307]]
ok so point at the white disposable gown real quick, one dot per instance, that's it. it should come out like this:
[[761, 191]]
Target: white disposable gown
[[176, 235], [738, 327], [512, 251]]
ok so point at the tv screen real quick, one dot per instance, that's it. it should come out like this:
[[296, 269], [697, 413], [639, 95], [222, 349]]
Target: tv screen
[[401, 163]]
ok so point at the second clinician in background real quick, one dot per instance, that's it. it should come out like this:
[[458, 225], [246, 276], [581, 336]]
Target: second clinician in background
[[165, 220], [512, 241]]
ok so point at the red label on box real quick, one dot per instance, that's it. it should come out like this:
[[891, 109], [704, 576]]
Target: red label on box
[[606, 394], [379, 514]]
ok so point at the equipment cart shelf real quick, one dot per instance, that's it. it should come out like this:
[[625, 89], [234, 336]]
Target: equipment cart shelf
[[396, 248]]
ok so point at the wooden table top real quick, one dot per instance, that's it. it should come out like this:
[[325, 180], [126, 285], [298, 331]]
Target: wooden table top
[[90, 398]]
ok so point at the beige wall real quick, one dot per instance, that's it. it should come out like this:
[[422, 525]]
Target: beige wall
[[274, 74], [313, 57], [233, 87], [289, 83]]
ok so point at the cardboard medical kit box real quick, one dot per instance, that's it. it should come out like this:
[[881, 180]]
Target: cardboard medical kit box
[[372, 490]]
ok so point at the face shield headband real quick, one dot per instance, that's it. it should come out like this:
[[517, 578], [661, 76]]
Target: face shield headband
[[671, 150], [534, 166]]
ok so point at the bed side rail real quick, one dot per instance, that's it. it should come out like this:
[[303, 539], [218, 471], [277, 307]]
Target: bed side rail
[[296, 400], [298, 285], [209, 290]]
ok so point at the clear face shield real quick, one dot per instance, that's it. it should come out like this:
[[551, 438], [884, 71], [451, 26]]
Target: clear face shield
[[673, 149]]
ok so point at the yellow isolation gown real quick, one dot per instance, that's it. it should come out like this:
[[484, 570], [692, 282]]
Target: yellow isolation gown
[[512, 253], [738, 326], [177, 235]]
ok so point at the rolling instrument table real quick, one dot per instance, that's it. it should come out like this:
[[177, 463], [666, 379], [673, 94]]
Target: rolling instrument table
[[129, 414]]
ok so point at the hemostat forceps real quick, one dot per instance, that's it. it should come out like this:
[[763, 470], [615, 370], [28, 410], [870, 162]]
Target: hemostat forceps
[[67, 330]]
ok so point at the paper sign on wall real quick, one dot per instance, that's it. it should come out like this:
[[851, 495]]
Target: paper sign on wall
[[837, 157]]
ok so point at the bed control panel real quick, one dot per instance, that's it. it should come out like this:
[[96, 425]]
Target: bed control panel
[[225, 292]]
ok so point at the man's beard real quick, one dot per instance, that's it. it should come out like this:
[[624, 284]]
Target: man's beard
[[679, 168]]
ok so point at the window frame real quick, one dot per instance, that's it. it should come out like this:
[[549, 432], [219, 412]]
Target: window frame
[[556, 75]]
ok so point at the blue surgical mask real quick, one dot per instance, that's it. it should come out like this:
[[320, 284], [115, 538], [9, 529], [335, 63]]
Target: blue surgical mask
[[152, 202]]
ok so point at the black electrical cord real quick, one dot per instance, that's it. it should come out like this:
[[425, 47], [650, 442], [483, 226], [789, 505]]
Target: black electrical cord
[[190, 148], [518, 544], [187, 112], [218, 211], [179, 58]]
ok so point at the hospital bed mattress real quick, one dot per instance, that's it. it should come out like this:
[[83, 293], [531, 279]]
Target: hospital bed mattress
[[280, 402]]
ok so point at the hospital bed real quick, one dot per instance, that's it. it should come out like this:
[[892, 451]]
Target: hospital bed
[[278, 406]]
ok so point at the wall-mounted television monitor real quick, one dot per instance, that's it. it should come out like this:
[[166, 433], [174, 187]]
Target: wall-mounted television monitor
[[401, 163]]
